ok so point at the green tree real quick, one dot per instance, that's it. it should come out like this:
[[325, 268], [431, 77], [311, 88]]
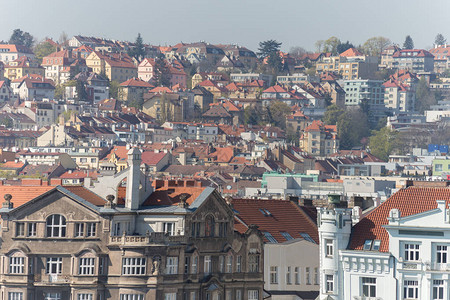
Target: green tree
[[297, 52], [162, 72], [81, 91], [138, 51], [375, 45], [424, 97], [332, 114], [342, 47], [383, 142], [251, 116], [331, 45], [277, 112], [7, 122], [114, 89], [440, 40], [275, 62], [352, 127], [19, 37], [268, 47], [408, 44], [43, 49], [319, 45]]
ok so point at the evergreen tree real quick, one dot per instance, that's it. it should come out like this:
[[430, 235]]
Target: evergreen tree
[[440, 40], [408, 44], [342, 47], [162, 72], [43, 49], [138, 51], [19, 37], [268, 47]]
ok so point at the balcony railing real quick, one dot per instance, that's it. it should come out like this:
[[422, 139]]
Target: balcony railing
[[366, 298], [151, 238]]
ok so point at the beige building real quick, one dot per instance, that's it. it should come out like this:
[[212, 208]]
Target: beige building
[[319, 139], [69, 243], [117, 66]]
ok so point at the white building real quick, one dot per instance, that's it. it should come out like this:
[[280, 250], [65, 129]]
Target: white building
[[398, 251]]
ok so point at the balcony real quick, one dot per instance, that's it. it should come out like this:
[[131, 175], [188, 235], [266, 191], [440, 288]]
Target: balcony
[[145, 240], [51, 279], [366, 298], [437, 267]]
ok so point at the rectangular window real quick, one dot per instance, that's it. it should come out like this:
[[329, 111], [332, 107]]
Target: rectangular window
[[274, 275], [329, 248], [238, 295], [31, 229], [131, 297], [239, 263], [438, 289], [412, 252], [229, 267], [90, 229], [308, 275], [269, 237], [16, 265], [193, 296], [79, 229], [228, 295], [207, 264], [20, 229], [133, 265], [194, 265], [369, 286], [253, 295], [441, 254], [253, 263], [15, 296], [297, 275], [86, 266], [170, 296], [169, 227], [316, 275], [52, 296], [172, 265], [187, 261], [54, 265], [410, 289], [329, 283], [85, 296], [286, 235], [288, 275], [221, 264]]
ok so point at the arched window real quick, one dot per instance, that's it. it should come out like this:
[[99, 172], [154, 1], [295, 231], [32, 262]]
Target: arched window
[[209, 226], [56, 226]]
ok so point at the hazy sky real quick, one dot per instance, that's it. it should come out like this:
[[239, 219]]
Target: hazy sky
[[245, 22]]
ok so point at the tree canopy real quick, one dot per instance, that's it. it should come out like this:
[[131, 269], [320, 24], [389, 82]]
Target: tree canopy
[[342, 47], [408, 44], [19, 37], [383, 142], [268, 47], [375, 45], [352, 126], [138, 51], [424, 96], [43, 49], [440, 40], [277, 112], [332, 114], [162, 72]]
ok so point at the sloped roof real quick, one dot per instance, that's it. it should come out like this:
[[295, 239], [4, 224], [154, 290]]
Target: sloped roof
[[136, 82], [409, 201], [351, 52], [151, 158], [284, 216], [171, 195]]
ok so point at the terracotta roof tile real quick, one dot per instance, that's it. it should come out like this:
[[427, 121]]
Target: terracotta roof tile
[[409, 201]]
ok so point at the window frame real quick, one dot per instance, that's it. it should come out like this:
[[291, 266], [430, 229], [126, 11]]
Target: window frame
[[16, 265], [172, 265], [369, 286], [86, 266], [56, 230], [273, 275], [329, 283], [134, 266]]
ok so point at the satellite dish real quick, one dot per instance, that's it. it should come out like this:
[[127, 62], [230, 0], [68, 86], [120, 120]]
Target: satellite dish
[[228, 187]]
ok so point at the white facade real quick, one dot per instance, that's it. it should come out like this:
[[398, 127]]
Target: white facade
[[417, 265]]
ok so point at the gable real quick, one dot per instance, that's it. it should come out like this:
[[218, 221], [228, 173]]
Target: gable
[[214, 205], [54, 202]]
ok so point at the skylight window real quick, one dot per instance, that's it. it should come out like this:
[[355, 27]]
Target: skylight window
[[307, 237], [367, 244], [269, 237], [265, 212], [286, 235]]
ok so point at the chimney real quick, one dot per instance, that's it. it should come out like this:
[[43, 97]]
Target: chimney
[[132, 199]]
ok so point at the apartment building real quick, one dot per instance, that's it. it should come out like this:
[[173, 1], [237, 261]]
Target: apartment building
[[173, 240]]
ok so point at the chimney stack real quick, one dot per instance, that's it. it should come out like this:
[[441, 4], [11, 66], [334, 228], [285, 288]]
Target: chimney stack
[[132, 200]]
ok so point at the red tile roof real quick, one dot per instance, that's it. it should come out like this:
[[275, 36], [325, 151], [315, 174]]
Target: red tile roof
[[351, 52], [23, 194], [168, 195], [136, 82], [409, 201], [284, 216], [86, 195], [151, 158]]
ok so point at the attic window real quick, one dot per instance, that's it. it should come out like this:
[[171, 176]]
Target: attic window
[[376, 245], [269, 237], [367, 244], [307, 237], [286, 235]]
